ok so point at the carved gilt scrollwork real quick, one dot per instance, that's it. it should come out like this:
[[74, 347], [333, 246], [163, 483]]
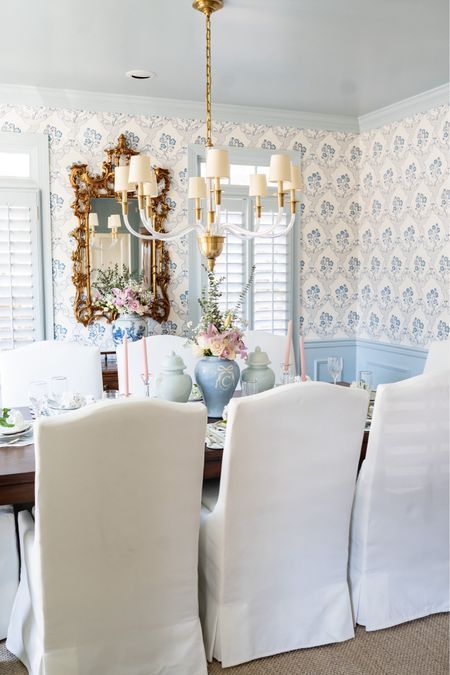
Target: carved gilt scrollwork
[[88, 186]]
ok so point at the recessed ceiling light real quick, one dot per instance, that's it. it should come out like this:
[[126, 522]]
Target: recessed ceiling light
[[141, 74]]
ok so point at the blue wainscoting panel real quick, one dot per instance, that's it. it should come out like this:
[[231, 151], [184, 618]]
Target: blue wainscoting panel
[[389, 363], [317, 353]]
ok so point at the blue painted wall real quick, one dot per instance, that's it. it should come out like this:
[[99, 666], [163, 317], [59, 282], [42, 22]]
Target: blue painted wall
[[389, 363]]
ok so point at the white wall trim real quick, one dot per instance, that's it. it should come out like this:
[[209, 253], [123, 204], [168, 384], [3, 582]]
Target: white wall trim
[[165, 107], [408, 106], [145, 105]]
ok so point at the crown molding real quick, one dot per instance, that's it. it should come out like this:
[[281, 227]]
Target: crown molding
[[165, 107], [405, 108]]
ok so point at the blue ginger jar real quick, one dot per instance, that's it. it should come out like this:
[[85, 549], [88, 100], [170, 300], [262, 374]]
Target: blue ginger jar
[[217, 379], [132, 325]]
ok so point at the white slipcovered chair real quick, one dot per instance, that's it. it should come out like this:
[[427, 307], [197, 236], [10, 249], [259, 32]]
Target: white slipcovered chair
[[274, 345], [9, 566], [43, 360], [438, 357], [109, 574], [158, 346], [399, 555], [274, 539]]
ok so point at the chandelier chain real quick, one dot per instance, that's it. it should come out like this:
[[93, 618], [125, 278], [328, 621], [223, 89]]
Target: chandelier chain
[[208, 81]]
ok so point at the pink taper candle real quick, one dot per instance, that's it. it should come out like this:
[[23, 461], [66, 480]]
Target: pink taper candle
[[302, 358], [144, 342], [126, 389], [287, 353]]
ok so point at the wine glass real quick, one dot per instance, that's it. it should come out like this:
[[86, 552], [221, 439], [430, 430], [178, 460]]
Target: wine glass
[[38, 394], [249, 387], [58, 387], [335, 366], [365, 379]]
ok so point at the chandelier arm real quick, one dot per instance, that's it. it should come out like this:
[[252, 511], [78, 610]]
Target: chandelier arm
[[268, 233], [133, 232], [165, 236]]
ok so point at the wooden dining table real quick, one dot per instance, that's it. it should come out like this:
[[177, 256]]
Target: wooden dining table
[[17, 469]]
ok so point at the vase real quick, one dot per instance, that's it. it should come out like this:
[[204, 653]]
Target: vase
[[258, 371], [131, 325], [172, 383], [217, 379]]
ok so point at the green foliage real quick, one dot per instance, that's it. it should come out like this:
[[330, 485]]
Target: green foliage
[[4, 417]]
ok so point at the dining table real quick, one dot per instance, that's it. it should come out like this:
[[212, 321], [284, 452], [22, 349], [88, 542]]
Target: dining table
[[17, 468]]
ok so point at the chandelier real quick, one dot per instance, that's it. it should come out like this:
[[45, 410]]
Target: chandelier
[[139, 178]]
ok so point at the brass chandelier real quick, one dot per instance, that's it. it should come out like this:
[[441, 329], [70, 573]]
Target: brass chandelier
[[138, 177]]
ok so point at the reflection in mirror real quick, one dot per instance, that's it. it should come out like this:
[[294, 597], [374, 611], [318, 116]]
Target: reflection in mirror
[[102, 241]]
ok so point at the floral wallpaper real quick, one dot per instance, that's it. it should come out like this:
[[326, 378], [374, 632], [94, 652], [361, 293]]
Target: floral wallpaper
[[404, 250], [373, 257]]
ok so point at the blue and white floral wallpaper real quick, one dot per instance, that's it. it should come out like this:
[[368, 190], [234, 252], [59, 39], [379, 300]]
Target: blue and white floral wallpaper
[[404, 248], [374, 255]]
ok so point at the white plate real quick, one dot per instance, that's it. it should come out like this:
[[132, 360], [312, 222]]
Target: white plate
[[55, 406], [15, 431]]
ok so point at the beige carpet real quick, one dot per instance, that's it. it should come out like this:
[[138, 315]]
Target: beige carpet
[[417, 648]]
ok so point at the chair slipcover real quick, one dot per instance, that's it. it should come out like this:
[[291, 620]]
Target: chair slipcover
[[43, 360], [158, 346], [438, 357], [274, 549], [9, 566], [274, 345], [109, 580], [399, 555]]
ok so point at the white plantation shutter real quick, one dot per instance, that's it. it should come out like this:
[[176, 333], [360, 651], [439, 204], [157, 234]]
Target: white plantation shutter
[[268, 304], [231, 264], [21, 306], [271, 291]]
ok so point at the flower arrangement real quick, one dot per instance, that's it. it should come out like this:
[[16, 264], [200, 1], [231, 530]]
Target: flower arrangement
[[120, 292], [220, 333]]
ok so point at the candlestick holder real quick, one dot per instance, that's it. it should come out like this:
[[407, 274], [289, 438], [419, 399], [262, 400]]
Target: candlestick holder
[[287, 373], [147, 381]]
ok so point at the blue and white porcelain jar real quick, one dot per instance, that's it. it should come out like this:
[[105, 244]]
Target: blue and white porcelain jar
[[217, 379], [131, 325]]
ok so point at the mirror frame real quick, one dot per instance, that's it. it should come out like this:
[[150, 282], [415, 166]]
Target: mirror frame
[[89, 186]]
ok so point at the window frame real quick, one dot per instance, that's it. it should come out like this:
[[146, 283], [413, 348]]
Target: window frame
[[196, 276], [36, 145]]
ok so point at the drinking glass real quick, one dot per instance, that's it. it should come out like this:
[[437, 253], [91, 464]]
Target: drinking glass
[[335, 366], [249, 387], [111, 393], [58, 387], [287, 373], [38, 395], [365, 379]]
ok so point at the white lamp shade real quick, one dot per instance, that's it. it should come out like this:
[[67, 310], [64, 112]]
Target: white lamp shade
[[217, 163], [114, 222], [121, 183], [93, 220], [197, 188], [150, 189], [140, 169], [296, 182], [280, 168], [258, 185]]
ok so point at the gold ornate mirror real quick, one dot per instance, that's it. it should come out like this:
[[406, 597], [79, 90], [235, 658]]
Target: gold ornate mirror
[[99, 247]]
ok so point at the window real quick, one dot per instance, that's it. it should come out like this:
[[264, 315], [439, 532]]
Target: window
[[25, 258], [20, 274], [270, 302]]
